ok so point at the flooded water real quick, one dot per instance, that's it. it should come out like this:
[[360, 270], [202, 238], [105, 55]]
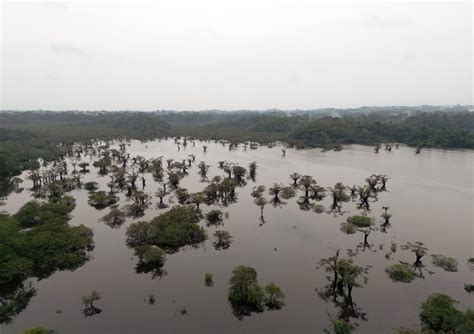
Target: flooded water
[[430, 196]]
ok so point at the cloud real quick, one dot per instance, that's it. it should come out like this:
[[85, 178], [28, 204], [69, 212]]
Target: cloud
[[67, 49], [381, 22], [59, 6]]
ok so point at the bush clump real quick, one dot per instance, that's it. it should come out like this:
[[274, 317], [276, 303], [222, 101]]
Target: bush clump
[[401, 272]]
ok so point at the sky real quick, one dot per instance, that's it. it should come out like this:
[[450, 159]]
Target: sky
[[245, 54]]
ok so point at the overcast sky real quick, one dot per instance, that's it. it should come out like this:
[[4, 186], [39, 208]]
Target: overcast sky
[[240, 54]]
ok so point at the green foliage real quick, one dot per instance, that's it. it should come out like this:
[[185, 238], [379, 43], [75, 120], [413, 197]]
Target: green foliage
[[27, 136], [246, 296], [273, 296], [100, 199], [90, 299], [91, 186], [360, 221], [48, 245], [170, 231], [223, 239], [14, 299], [34, 213], [38, 330], [340, 326], [439, 314], [261, 202], [214, 217], [115, 218], [182, 195], [245, 293], [36, 242], [153, 256], [208, 279], [287, 192], [401, 272], [445, 262], [173, 179], [418, 248]]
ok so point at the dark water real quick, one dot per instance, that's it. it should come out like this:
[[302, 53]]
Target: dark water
[[430, 196]]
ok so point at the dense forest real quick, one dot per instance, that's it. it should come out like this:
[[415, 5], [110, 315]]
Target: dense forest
[[26, 136]]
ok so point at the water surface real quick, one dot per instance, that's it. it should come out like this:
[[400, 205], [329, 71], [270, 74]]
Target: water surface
[[430, 196]]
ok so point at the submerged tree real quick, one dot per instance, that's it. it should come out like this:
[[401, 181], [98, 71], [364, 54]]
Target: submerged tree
[[339, 326], [386, 216], [362, 224], [139, 202], [339, 195], [14, 298], [208, 279], [401, 272], [91, 186], [115, 218], [439, 315], [100, 199], [261, 202], [252, 170], [344, 275], [447, 263], [247, 297], [89, 308], [197, 199], [295, 177], [214, 218], [245, 294], [305, 182], [273, 296], [170, 231], [151, 259], [161, 193], [222, 240], [418, 248], [203, 168]]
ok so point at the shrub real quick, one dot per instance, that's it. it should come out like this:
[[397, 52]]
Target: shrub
[[401, 272]]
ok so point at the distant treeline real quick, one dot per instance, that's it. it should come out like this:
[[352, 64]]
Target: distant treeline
[[25, 136]]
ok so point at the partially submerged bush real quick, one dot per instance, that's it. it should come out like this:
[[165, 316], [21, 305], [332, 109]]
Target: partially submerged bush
[[91, 186], [38, 330], [401, 272], [100, 199], [223, 239], [360, 221], [274, 296], [445, 262], [214, 217], [246, 295], [208, 279], [115, 218], [170, 231]]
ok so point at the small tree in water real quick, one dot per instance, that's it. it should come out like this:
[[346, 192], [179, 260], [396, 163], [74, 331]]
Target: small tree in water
[[295, 177], [88, 301], [208, 279], [361, 224], [416, 248], [223, 239], [261, 202], [214, 217], [401, 272], [339, 195], [274, 296]]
